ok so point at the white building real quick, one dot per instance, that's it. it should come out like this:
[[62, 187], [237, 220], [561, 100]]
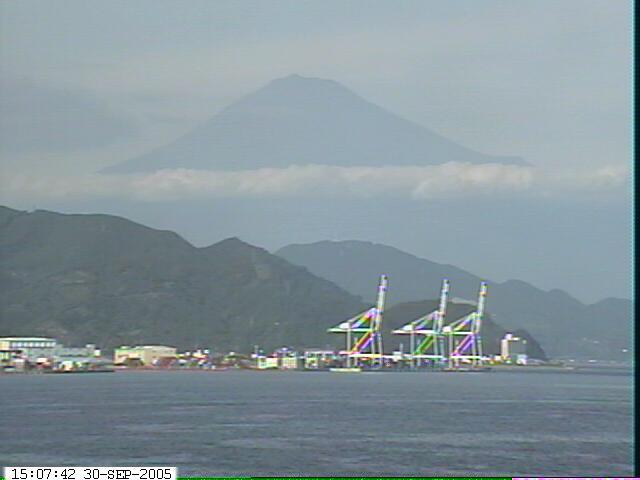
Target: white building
[[30, 348], [513, 349]]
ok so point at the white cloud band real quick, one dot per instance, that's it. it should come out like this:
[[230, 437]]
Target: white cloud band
[[421, 183]]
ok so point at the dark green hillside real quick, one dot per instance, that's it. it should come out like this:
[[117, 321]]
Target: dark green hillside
[[106, 280]]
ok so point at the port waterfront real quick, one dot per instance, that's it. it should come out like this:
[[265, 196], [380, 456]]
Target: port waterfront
[[44, 355], [456, 346], [295, 362]]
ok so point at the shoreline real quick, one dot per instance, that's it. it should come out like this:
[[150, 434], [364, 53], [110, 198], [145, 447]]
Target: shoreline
[[577, 369]]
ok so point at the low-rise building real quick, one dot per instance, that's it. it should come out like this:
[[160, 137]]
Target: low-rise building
[[266, 363], [318, 359], [282, 359], [288, 363], [48, 353], [200, 358], [78, 358], [29, 348], [89, 350], [147, 355]]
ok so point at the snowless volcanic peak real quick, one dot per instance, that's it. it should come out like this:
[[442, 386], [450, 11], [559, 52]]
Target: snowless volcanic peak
[[300, 121]]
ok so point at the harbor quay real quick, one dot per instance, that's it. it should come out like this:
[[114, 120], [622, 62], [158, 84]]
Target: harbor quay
[[47, 355]]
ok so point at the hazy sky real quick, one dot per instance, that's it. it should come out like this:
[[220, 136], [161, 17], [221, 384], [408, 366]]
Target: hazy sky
[[85, 84]]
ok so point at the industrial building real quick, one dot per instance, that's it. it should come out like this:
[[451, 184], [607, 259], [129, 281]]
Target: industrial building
[[22, 353], [319, 359], [146, 355], [78, 358], [27, 348], [282, 359]]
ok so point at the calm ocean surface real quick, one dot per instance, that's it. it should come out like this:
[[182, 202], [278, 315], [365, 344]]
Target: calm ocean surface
[[303, 423]]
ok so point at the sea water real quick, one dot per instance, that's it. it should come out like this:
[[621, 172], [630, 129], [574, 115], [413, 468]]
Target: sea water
[[321, 423]]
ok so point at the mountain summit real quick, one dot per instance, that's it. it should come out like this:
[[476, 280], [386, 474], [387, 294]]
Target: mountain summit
[[299, 121]]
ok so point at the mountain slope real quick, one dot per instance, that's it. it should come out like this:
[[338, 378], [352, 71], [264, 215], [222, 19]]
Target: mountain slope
[[351, 263], [299, 121], [563, 325], [110, 281], [107, 280]]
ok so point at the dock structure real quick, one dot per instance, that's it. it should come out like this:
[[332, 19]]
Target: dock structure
[[464, 343], [363, 333], [425, 333], [456, 345]]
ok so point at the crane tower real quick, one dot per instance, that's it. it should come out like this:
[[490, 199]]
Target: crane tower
[[363, 333], [463, 335], [425, 333]]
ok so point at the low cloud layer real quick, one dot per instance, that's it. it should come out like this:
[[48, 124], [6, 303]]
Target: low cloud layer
[[449, 180]]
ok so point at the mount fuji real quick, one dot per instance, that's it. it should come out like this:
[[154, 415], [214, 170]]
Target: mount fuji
[[300, 121]]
